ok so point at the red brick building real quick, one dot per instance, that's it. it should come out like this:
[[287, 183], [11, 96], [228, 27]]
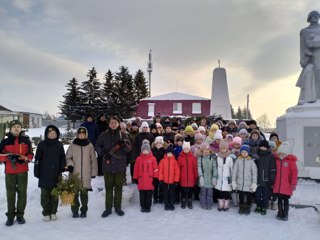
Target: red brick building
[[171, 104]]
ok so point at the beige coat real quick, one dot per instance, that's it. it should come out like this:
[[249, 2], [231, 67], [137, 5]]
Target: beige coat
[[84, 161]]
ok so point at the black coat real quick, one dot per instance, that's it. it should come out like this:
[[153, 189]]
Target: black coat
[[158, 153], [138, 142], [266, 165], [50, 161]]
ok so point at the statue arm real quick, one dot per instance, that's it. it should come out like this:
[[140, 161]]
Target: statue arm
[[303, 57]]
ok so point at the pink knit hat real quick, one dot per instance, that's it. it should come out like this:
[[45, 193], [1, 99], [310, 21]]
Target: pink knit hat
[[237, 140]]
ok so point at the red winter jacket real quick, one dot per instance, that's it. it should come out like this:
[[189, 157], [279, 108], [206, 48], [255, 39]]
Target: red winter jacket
[[145, 169], [287, 175], [169, 170], [18, 145], [188, 169]]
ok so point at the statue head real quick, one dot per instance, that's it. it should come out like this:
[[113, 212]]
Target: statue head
[[313, 17]]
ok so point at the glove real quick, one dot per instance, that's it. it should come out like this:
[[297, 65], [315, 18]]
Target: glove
[[214, 182], [253, 187], [23, 158], [201, 181], [70, 169], [293, 187], [155, 181], [135, 181], [234, 185]]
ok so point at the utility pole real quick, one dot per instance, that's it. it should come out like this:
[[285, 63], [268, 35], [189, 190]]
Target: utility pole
[[150, 70], [247, 117]]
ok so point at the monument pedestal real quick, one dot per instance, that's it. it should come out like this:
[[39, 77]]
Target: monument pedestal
[[300, 126]]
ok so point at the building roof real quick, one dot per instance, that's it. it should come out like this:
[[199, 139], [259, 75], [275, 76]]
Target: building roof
[[175, 96], [8, 106]]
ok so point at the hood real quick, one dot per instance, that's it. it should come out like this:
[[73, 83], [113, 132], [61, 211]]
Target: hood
[[48, 128]]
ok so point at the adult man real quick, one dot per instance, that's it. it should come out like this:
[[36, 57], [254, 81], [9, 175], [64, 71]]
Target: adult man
[[113, 146], [92, 127], [309, 79], [16, 152]]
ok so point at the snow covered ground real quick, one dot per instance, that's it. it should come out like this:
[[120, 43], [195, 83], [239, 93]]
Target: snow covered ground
[[160, 224]]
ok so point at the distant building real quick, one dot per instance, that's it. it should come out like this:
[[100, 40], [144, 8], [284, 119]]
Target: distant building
[[29, 118], [171, 104]]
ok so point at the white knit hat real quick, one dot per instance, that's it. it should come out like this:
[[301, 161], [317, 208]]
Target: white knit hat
[[159, 139], [284, 148], [186, 145], [144, 124], [218, 135], [201, 128]]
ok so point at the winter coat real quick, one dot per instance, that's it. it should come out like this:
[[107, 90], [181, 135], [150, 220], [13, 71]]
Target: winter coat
[[168, 138], [50, 160], [287, 175], [132, 136], [188, 169], [188, 138], [93, 131], [82, 157], [158, 153], [232, 131], [138, 142], [266, 166], [207, 168], [145, 170], [169, 171], [177, 150], [114, 162], [224, 173], [102, 126], [17, 145], [254, 147], [244, 173]]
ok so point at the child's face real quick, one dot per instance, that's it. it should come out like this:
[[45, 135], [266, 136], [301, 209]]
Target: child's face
[[145, 129], [244, 154], [255, 137], [186, 150], [169, 154], [217, 141], [159, 145], [223, 150], [168, 129], [135, 128], [236, 145], [145, 152], [180, 143], [243, 136], [206, 151], [199, 140], [282, 155], [232, 126], [274, 138]]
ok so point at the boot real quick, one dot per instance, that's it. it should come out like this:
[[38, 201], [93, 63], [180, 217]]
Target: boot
[[220, 204], [285, 213], [190, 206], [263, 211], [241, 208], [234, 197], [183, 203], [247, 209], [280, 211], [226, 205]]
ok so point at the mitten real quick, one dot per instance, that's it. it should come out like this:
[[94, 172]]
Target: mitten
[[254, 187], [201, 181], [70, 169], [214, 182], [234, 185]]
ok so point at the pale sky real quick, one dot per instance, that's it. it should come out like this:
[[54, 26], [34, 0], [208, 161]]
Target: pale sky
[[44, 44]]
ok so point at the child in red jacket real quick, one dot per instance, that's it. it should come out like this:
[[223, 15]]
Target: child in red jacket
[[286, 179], [169, 176], [188, 174], [145, 173]]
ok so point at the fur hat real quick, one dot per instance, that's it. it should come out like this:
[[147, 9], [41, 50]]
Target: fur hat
[[284, 148], [237, 140], [159, 139], [218, 135], [255, 131], [264, 143], [14, 122], [243, 132], [186, 145], [145, 145], [245, 148], [170, 149], [198, 136]]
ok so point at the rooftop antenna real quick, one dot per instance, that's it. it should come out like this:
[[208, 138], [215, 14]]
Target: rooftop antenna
[[219, 62], [150, 70]]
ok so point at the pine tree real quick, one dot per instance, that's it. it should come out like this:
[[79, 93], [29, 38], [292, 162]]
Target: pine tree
[[70, 107], [140, 86], [239, 113], [233, 115]]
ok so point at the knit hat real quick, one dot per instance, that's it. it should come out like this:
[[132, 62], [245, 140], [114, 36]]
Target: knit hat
[[14, 122], [242, 125], [218, 135], [144, 124], [159, 139], [272, 144], [223, 144], [284, 148], [237, 140], [264, 143], [255, 131], [194, 125], [158, 125], [82, 130], [134, 123], [214, 126], [186, 145], [273, 134], [170, 149], [245, 148], [201, 129], [198, 136], [229, 136], [189, 129], [145, 145], [205, 145], [232, 122], [243, 132]]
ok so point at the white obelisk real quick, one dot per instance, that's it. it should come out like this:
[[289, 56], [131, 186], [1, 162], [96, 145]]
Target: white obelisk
[[220, 102]]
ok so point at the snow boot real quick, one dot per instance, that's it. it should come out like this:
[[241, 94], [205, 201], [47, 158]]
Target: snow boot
[[263, 211], [280, 211], [53, 217], [9, 222], [258, 210], [119, 212], [241, 208], [247, 209], [106, 213], [21, 220], [190, 206], [183, 203], [285, 213]]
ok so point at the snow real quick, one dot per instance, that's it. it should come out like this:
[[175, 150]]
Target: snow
[[159, 224], [175, 96], [17, 108]]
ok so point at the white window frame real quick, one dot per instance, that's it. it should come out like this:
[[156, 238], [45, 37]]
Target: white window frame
[[151, 106], [196, 108], [177, 108]]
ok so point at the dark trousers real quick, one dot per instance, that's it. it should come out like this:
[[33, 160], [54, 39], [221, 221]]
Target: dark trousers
[[16, 184], [168, 192], [100, 159], [84, 198], [283, 205], [262, 196], [157, 193], [145, 199], [243, 196], [196, 192], [224, 195], [186, 194], [49, 203], [131, 171], [113, 181]]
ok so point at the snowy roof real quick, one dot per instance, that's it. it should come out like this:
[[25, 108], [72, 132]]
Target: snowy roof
[[15, 108], [176, 96]]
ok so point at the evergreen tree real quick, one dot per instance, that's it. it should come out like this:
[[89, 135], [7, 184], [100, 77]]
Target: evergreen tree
[[239, 113], [70, 107], [140, 86], [233, 115], [109, 92]]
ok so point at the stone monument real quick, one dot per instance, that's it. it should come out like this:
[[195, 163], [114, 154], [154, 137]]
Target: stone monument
[[301, 124], [220, 102]]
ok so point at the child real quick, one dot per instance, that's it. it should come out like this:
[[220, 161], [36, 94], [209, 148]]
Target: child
[[50, 162], [81, 160], [266, 165], [168, 135], [208, 173], [145, 173], [235, 152], [188, 174], [286, 179], [169, 176], [274, 137], [188, 135], [243, 133], [178, 141], [216, 143], [214, 127], [254, 141], [158, 152], [244, 179], [198, 137], [225, 164]]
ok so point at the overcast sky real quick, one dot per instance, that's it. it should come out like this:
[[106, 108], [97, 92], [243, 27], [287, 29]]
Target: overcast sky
[[46, 43]]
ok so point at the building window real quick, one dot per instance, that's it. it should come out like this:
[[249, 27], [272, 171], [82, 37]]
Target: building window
[[196, 108], [151, 109], [177, 108]]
